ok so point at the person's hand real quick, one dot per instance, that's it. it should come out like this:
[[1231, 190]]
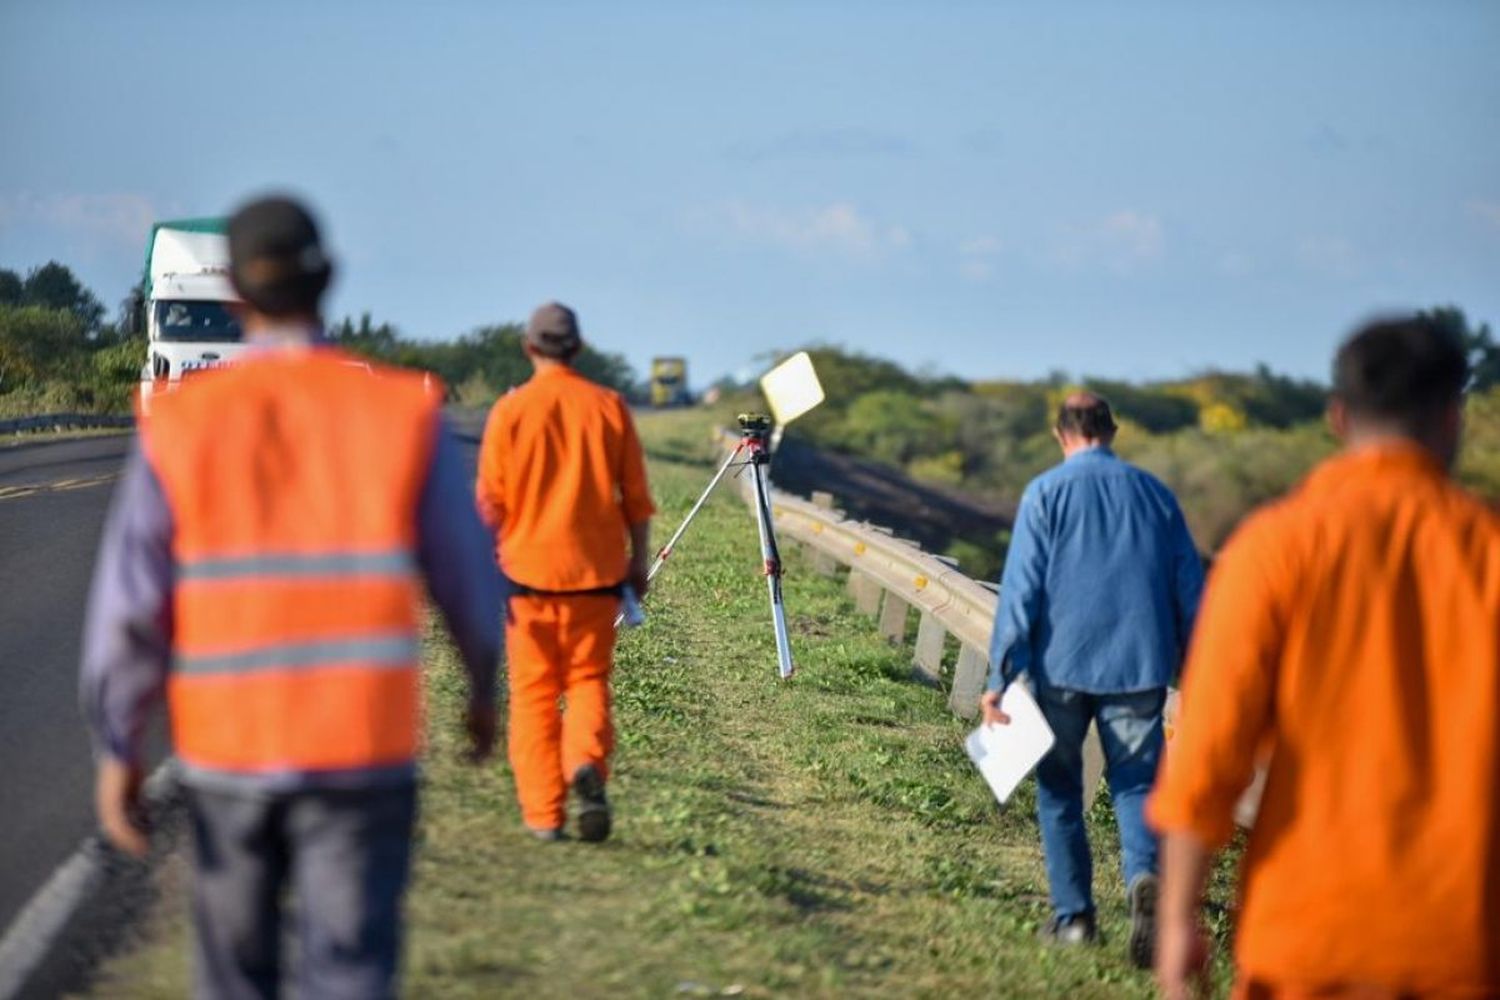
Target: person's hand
[[639, 577], [989, 702], [117, 799], [480, 722], [1181, 959]]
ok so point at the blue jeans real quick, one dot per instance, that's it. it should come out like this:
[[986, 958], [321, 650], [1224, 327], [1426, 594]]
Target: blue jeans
[[1130, 730]]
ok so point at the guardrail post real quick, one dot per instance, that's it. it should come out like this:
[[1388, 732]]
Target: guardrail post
[[866, 592], [893, 618], [969, 676], [822, 561], [928, 656]]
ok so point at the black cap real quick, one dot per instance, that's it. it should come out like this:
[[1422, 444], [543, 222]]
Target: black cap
[[552, 331], [276, 257]]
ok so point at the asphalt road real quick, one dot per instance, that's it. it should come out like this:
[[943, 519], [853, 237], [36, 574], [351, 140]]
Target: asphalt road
[[53, 498]]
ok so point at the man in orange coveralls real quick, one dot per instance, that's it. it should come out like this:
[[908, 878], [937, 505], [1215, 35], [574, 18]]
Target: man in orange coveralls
[[1355, 625], [562, 482]]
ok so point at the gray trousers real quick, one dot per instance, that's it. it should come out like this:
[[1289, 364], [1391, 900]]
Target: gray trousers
[[344, 853]]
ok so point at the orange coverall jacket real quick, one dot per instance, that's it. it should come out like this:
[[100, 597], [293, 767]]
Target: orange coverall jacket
[[561, 479], [1356, 625]]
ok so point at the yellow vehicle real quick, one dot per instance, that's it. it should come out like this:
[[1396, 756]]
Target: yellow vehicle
[[669, 382]]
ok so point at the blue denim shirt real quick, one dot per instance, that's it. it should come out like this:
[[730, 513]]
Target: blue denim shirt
[[1101, 583]]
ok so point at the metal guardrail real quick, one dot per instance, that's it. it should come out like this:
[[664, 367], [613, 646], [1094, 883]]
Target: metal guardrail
[[889, 578], [63, 421]]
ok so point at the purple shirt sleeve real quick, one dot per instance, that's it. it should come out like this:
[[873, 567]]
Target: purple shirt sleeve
[[457, 556], [127, 634]]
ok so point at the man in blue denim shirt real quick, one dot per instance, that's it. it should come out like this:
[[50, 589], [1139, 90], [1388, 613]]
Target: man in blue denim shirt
[[1097, 601]]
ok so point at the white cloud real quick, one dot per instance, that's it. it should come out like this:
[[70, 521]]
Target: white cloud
[[110, 218], [1487, 212], [977, 257], [1330, 256], [1121, 241], [838, 228]]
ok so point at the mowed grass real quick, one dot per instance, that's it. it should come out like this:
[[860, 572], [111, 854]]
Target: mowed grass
[[819, 837]]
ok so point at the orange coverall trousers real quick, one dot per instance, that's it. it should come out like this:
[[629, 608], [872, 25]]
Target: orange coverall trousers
[[558, 649]]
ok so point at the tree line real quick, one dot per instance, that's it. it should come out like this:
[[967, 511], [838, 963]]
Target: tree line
[[1223, 441], [59, 352]]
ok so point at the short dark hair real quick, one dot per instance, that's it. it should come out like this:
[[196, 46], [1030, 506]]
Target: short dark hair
[[1092, 421], [558, 353], [1401, 370], [276, 257]]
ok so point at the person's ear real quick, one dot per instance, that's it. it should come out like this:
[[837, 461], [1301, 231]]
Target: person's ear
[[1062, 442], [1338, 418]]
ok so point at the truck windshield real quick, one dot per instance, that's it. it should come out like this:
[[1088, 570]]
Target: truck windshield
[[196, 322]]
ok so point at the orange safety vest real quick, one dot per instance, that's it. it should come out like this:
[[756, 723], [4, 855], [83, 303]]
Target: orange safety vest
[[293, 478]]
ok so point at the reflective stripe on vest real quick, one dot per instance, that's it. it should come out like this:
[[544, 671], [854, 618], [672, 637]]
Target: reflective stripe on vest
[[293, 482], [397, 563]]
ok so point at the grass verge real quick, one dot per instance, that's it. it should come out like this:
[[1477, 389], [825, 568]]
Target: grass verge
[[821, 837]]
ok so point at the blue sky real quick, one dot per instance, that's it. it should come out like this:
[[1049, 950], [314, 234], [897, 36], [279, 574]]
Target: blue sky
[[993, 190]]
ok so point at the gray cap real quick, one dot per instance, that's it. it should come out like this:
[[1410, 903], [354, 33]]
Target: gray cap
[[552, 330]]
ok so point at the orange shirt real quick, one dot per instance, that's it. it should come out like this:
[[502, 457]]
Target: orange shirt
[[1356, 625], [561, 478]]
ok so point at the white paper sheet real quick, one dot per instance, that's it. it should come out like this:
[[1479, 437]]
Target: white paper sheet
[[1006, 754], [792, 388]]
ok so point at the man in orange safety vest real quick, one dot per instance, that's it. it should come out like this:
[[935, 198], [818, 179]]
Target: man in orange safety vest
[[263, 566]]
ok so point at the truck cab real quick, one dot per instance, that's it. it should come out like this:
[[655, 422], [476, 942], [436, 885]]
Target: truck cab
[[189, 325]]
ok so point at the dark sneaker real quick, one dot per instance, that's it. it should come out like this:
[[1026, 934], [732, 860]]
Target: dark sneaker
[[547, 835], [593, 806], [1143, 921], [1075, 929]]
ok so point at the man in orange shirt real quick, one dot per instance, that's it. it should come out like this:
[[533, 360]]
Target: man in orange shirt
[[1354, 628], [562, 482]]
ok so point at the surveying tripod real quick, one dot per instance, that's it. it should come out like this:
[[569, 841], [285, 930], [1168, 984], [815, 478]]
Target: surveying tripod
[[752, 452]]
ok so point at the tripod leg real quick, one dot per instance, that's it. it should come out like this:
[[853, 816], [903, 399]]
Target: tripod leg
[[665, 552], [772, 556]]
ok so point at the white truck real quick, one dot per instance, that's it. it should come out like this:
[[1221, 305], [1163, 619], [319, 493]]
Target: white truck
[[187, 293]]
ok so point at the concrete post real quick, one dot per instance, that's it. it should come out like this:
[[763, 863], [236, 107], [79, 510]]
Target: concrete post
[[893, 618], [968, 682], [928, 656], [866, 592]]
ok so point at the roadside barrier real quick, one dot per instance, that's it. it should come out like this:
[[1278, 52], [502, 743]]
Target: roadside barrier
[[64, 421]]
